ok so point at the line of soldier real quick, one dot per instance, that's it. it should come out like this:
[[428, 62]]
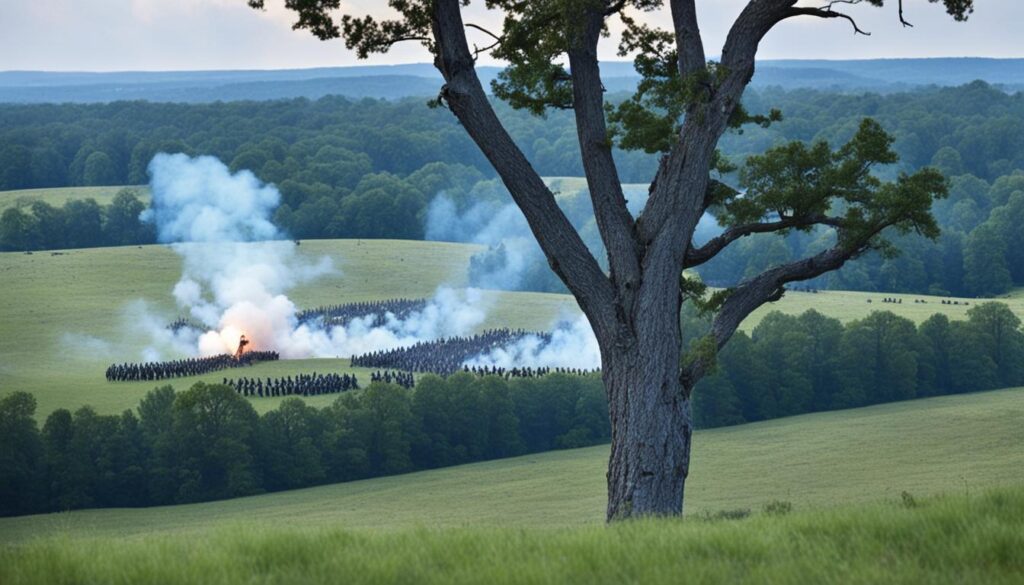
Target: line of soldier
[[443, 356], [403, 379], [526, 372], [149, 371], [299, 385], [335, 315]]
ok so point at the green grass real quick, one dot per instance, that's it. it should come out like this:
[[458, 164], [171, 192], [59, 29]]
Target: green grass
[[955, 540], [58, 196], [46, 296], [951, 445]]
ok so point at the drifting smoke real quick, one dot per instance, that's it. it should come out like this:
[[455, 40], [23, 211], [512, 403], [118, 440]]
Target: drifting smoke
[[238, 267], [572, 345], [514, 261]]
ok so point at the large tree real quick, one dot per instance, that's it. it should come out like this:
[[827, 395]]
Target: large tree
[[682, 106]]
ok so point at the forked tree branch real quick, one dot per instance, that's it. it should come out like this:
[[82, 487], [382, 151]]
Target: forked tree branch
[[770, 286], [697, 256], [612, 217], [828, 13], [562, 245]]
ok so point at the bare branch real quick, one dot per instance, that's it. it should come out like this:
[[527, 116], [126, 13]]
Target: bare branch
[[483, 30], [477, 51], [828, 13], [903, 21]]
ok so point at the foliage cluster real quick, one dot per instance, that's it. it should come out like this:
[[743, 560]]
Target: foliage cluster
[[81, 223]]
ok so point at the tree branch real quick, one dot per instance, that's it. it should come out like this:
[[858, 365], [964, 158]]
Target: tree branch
[[562, 245], [613, 219], [698, 256], [478, 50], [769, 286], [903, 21], [828, 13], [688, 40]]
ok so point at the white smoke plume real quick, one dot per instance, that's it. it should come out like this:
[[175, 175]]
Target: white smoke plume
[[513, 259], [572, 345], [513, 254], [238, 268]]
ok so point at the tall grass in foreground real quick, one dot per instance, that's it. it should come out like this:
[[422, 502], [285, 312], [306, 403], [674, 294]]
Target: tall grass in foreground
[[977, 539]]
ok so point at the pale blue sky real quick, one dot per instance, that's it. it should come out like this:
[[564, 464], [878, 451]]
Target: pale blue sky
[[112, 35]]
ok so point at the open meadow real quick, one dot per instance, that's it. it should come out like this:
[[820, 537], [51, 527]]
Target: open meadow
[[66, 315], [925, 491], [955, 445], [955, 540], [58, 196]]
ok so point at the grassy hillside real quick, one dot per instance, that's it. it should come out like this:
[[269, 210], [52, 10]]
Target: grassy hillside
[[58, 196], [959, 540], [949, 445], [64, 316]]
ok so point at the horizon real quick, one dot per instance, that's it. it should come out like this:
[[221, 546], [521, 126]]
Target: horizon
[[366, 65]]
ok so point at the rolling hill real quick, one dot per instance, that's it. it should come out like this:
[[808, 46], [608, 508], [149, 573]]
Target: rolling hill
[[422, 79], [66, 315], [58, 196], [959, 445]]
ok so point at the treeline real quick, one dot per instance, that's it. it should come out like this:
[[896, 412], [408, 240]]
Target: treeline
[[797, 364], [345, 168], [81, 223], [209, 443]]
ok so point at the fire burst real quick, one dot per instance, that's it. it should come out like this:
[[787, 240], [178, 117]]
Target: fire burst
[[229, 340], [242, 342]]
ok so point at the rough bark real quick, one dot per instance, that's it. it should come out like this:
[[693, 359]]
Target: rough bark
[[651, 424]]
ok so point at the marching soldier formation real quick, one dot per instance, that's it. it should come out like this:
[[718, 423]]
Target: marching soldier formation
[[335, 315], [149, 371], [526, 372], [299, 385], [442, 356], [403, 379]]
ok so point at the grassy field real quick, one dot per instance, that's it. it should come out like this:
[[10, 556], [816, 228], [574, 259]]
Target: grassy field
[[956, 540], [951, 445], [64, 316], [60, 195]]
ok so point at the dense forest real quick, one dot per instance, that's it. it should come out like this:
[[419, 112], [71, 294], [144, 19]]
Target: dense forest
[[208, 442], [370, 168]]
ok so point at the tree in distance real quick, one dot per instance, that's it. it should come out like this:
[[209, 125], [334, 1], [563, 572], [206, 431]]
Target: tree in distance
[[682, 106]]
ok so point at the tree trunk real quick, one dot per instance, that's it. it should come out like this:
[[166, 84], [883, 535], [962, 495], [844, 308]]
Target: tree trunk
[[652, 426]]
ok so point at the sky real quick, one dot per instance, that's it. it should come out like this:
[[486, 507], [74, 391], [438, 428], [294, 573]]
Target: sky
[[161, 35]]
